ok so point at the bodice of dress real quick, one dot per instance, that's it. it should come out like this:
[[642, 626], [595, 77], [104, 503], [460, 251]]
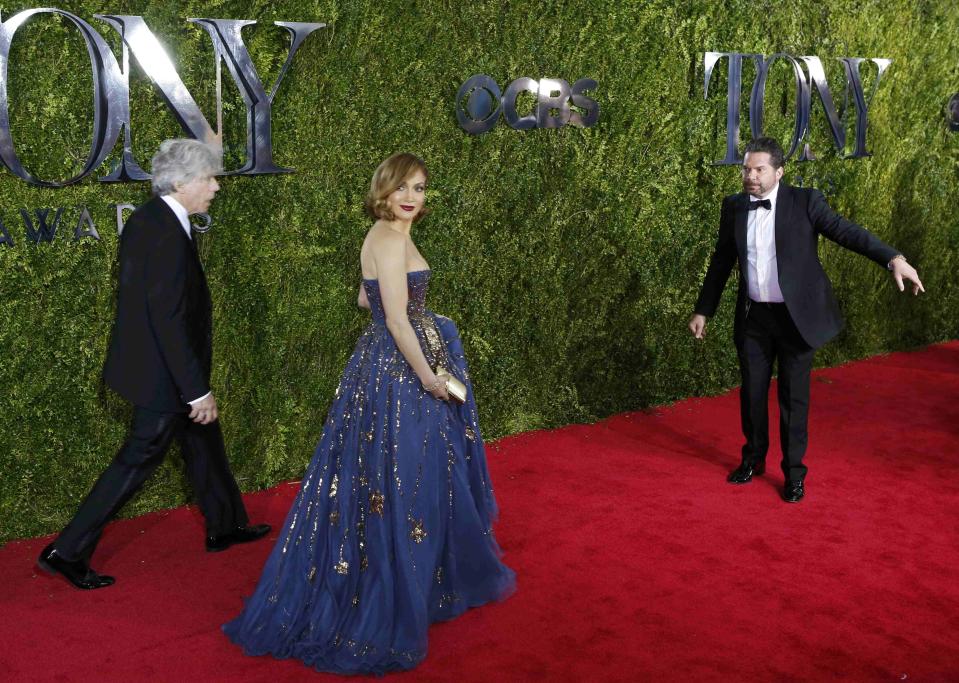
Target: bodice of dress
[[417, 282]]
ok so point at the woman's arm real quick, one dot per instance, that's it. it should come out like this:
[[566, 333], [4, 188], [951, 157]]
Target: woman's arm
[[389, 255], [361, 299]]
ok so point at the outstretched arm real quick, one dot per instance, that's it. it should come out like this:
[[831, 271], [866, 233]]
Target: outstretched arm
[[856, 238]]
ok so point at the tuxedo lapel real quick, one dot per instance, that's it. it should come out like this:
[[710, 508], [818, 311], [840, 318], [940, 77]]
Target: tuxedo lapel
[[170, 221], [740, 219], [784, 207], [193, 246]]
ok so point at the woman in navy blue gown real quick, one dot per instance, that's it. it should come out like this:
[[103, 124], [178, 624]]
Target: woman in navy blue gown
[[392, 527]]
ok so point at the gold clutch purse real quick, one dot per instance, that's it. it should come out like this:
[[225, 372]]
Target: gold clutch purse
[[455, 388]]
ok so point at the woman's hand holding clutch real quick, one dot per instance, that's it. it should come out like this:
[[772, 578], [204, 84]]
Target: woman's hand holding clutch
[[437, 386], [454, 387]]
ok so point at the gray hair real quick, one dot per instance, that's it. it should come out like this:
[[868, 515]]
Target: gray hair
[[181, 160]]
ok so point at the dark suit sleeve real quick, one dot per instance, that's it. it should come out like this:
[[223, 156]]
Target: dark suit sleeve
[[167, 310], [846, 233], [720, 264]]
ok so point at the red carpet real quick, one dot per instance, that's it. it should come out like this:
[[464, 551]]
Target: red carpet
[[636, 561]]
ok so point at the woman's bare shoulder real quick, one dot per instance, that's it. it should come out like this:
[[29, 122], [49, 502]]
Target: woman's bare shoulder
[[382, 248], [380, 237]]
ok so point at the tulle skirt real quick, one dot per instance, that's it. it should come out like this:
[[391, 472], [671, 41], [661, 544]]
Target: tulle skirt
[[391, 529]]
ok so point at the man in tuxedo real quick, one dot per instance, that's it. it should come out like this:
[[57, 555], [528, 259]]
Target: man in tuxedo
[[159, 359], [785, 308]]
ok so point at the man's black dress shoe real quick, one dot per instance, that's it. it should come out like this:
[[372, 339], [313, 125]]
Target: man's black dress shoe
[[76, 572], [242, 534], [744, 473], [793, 491]]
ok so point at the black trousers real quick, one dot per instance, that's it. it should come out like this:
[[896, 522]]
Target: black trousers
[[769, 336], [149, 438]]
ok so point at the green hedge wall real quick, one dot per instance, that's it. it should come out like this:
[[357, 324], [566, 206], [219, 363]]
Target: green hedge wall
[[570, 258]]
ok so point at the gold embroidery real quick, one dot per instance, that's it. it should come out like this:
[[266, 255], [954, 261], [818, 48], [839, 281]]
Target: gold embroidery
[[418, 533]]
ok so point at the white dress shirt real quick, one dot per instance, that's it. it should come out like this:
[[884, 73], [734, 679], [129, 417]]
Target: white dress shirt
[[762, 272], [184, 217]]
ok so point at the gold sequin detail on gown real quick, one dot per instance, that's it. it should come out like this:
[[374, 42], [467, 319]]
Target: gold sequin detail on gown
[[418, 533]]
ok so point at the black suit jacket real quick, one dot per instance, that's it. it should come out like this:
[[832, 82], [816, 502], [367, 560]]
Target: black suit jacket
[[161, 349], [802, 215]]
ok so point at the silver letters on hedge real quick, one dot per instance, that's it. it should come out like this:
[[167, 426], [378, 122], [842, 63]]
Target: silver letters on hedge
[[812, 76], [111, 91], [479, 104]]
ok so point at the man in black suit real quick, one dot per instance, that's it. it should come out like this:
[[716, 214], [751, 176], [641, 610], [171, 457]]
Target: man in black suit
[[785, 308], [159, 359]]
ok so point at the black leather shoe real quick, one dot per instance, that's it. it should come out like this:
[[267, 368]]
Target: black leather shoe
[[242, 534], [793, 491], [745, 472], [77, 572]]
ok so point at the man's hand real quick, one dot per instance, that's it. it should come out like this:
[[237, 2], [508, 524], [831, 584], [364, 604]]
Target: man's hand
[[697, 325], [901, 270], [204, 412]]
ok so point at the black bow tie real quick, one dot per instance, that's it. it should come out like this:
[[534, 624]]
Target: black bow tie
[[764, 203]]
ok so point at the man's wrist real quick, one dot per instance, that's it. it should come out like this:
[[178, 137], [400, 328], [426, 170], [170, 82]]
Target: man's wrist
[[897, 257], [197, 400]]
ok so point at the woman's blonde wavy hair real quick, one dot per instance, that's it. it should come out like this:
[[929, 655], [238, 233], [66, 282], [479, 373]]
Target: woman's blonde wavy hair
[[388, 176]]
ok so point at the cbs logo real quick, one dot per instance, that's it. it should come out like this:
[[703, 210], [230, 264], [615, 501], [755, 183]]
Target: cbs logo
[[479, 104]]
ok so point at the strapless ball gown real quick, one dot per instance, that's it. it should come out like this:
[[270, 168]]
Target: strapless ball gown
[[392, 527]]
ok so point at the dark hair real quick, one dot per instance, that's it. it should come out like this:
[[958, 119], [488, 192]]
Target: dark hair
[[770, 147]]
